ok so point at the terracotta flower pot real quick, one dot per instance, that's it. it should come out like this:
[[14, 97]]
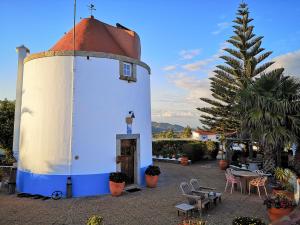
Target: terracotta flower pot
[[116, 188], [275, 214], [223, 164], [184, 161], [151, 181]]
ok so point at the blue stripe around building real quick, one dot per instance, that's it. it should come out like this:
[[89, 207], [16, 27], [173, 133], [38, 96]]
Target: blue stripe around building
[[83, 185]]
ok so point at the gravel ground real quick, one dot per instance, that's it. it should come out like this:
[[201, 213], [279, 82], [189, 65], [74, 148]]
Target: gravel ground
[[149, 206]]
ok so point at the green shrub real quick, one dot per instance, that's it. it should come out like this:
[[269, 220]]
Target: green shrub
[[247, 221], [152, 171], [212, 148], [194, 151], [117, 177], [95, 220]]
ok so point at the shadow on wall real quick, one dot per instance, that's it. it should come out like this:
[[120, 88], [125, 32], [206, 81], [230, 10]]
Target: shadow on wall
[[26, 110]]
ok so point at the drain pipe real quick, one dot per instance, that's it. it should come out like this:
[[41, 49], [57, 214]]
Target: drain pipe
[[22, 53]]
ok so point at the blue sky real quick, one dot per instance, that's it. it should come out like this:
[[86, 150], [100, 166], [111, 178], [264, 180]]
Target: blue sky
[[181, 41]]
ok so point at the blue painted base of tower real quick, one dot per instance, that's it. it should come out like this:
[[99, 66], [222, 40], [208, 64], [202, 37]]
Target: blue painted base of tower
[[82, 185]]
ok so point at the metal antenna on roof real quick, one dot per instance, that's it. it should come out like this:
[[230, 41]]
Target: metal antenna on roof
[[91, 7]]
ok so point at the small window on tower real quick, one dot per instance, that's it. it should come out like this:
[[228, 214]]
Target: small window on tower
[[127, 71]]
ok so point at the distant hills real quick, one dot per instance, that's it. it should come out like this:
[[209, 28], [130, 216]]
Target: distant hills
[[159, 127]]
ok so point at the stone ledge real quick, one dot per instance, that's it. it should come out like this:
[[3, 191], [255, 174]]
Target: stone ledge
[[86, 53]]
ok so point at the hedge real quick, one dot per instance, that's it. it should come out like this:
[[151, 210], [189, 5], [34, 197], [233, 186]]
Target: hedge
[[195, 150]]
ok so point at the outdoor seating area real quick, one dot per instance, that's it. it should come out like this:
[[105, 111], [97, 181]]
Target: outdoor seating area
[[148, 206], [207, 134]]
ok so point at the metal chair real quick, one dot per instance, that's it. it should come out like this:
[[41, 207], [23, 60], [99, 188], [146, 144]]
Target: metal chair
[[195, 198], [258, 182], [230, 178]]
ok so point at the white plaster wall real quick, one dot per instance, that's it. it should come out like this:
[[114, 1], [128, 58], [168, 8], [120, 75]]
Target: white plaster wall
[[101, 103], [46, 115], [213, 138], [195, 135]]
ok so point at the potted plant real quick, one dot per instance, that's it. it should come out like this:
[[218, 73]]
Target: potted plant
[[283, 185], [151, 175], [184, 160], [223, 164], [245, 220], [116, 183], [193, 222], [95, 220], [278, 205]]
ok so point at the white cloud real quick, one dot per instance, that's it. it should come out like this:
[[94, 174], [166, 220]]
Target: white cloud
[[188, 89], [205, 64], [221, 27], [198, 65], [290, 62], [194, 86], [178, 103], [170, 68], [172, 113], [189, 54]]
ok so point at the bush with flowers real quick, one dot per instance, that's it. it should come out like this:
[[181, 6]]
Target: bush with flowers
[[279, 201], [247, 221]]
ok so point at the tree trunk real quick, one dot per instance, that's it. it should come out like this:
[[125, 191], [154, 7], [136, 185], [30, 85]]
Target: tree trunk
[[278, 157], [279, 150], [269, 160]]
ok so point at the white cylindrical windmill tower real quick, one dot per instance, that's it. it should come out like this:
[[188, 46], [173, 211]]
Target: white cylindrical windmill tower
[[81, 112]]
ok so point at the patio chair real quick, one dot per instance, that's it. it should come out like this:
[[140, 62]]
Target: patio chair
[[212, 195], [230, 178], [195, 198], [258, 182]]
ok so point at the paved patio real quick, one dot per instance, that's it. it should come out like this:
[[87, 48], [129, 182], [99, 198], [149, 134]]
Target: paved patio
[[149, 206]]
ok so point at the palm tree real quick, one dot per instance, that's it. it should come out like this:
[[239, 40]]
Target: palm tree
[[270, 112]]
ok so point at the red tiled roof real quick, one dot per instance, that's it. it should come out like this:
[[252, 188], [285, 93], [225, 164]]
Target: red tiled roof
[[94, 35], [204, 132]]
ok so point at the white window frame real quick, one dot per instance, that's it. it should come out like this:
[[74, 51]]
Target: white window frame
[[127, 69]]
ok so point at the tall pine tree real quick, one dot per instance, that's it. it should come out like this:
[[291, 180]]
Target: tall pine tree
[[243, 62]]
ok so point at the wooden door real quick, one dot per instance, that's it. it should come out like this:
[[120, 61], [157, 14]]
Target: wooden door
[[128, 147]]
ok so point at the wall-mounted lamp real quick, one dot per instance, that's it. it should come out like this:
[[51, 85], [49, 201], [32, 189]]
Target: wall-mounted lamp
[[131, 113]]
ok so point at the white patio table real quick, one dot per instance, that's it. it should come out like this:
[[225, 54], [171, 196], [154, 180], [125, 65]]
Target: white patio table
[[245, 177]]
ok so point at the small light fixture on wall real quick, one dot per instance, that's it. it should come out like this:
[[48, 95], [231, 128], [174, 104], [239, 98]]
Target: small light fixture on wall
[[131, 113], [129, 120]]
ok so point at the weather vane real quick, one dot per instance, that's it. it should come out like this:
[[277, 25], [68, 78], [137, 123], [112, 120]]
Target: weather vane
[[91, 8]]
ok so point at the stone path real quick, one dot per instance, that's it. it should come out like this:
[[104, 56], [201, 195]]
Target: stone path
[[149, 206]]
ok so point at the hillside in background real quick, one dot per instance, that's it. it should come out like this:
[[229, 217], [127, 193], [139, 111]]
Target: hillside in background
[[159, 127]]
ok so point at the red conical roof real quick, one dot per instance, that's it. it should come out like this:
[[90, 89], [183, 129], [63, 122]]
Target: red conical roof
[[96, 36]]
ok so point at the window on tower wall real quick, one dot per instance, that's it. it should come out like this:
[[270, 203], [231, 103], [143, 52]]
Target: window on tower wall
[[127, 71]]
